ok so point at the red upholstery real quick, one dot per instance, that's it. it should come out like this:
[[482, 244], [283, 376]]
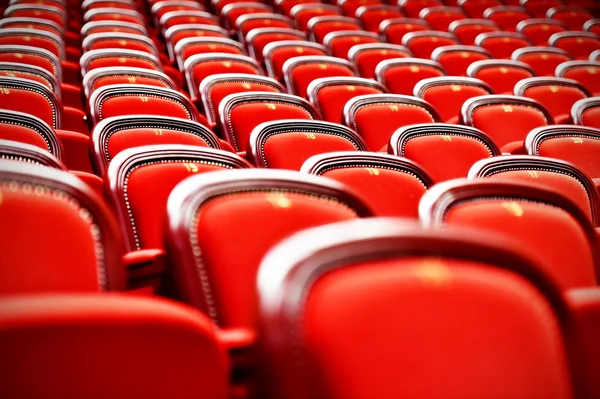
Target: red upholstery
[[466, 30], [232, 12], [538, 31], [391, 186], [372, 15], [173, 18], [108, 26], [82, 254], [586, 112], [579, 45], [32, 23], [376, 117], [287, 144], [179, 32], [575, 144], [503, 315], [277, 53], [447, 94], [185, 48], [543, 60], [26, 128], [476, 8], [538, 8], [574, 18], [299, 72], [339, 43], [289, 202], [24, 55], [126, 41], [50, 13], [366, 57], [501, 44], [422, 43], [500, 75], [133, 346], [440, 18], [118, 58], [319, 27], [505, 119], [444, 151], [349, 7], [506, 17], [584, 72], [303, 13], [541, 220], [557, 95], [161, 8], [101, 77], [394, 29], [412, 8], [31, 37], [259, 38], [457, 59], [401, 76], [330, 95], [30, 97], [285, 6], [246, 23]]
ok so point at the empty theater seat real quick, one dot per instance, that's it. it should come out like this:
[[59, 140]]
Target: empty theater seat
[[466, 30], [100, 77], [579, 45], [372, 15], [392, 186], [585, 72], [422, 43], [394, 29], [500, 75], [586, 112], [501, 44], [456, 59], [574, 18], [366, 57], [28, 129], [299, 72], [543, 60], [539, 30], [400, 76], [275, 54], [340, 42], [506, 17]]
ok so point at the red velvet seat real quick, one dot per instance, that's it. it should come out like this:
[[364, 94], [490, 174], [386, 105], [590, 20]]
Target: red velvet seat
[[284, 7], [259, 38], [550, 173], [205, 214], [476, 8], [160, 8], [299, 72], [33, 23], [506, 17], [440, 17], [444, 151], [456, 59], [394, 29], [401, 75], [579, 45], [319, 27], [111, 26], [376, 117], [187, 47], [219, 5], [466, 30], [34, 38], [422, 43], [231, 12], [543, 60], [288, 143], [92, 4], [28, 129], [100, 77], [118, 58], [179, 32], [586, 112], [587, 73], [501, 44], [139, 181], [116, 15], [198, 67], [275, 54], [341, 42], [575, 144], [240, 113], [116, 134], [137, 99], [412, 8], [500, 75], [20, 152], [391, 186], [330, 95], [127, 41], [246, 23], [216, 87], [173, 18], [539, 8], [51, 13], [366, 57], [372, 15], [32, 72], [464, 295], [505, 119], [448, 93], [133, 346], [349, 7], [83, 253], [573, 17], [302, 13], [539, 30], [557, 95], [542, 220]]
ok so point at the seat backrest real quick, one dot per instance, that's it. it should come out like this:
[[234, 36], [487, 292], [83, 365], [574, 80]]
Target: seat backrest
[[54, 14], [299, 72], [422, 43], [215, 88], [557, 95], [285, 6], [259, 38], [553, 174], [372, 15], [444, 151], [501, 44], [319, 27], [198, 67], [400, 76], [31, 97], [241, 112], [160, 8], [557, 232], [440, 17], [575, 144], [111, 26], [140, 180], [586, 112], [393, 30], [412, 8], [539, 30], [392, 186], [573, 17], [21, 152], [466, 30], [275, 54], [35, 23], [457, 59], [100, 77], [179, 32], [34, 38], [349, 7], [302, 13], [579, 45], [127, 41], [113, 14], [500, 75], [214, 242], [173, 18], [366, 57], [57, 234], [543, 60], [330, 95], [355, 275], [476, 8], [28, 129], [339, 43], [506, 17], [505, 119], [288, 143], [231, 12], [448, 93], [113, 135], [34, 56], [134, 346], [539, 8], [137, 99], [246, 23], [375, 117], [31, 72], [203, 45], [118, 58], [584, 72]]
